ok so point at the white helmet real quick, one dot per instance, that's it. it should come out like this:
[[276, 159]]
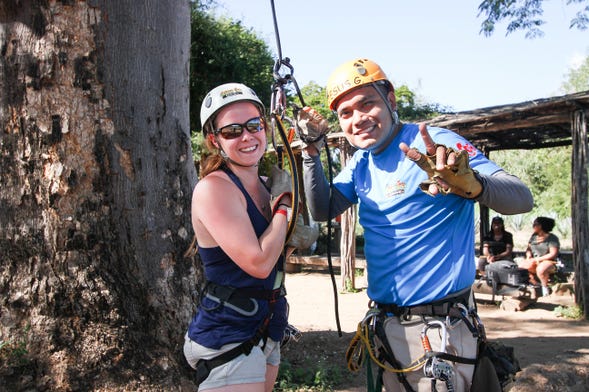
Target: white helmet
[[222, 96]]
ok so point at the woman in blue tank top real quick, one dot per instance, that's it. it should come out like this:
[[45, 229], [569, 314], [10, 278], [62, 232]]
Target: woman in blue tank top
[[233, 341]]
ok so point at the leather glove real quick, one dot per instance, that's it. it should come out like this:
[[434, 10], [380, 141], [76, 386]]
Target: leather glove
[[310, 125], [457, 178]]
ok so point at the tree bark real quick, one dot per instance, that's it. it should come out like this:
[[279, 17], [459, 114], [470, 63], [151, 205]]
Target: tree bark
[[97, 175]]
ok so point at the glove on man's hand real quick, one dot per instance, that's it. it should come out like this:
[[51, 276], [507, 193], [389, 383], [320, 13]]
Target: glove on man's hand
[[457, 178], [310, 125]]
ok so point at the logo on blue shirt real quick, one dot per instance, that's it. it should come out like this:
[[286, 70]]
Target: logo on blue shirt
[[395, 189]]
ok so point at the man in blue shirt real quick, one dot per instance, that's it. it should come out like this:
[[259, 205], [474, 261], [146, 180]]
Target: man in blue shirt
[[418, 224]]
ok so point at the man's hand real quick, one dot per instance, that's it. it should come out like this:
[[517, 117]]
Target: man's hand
[[448, 170], [311, 128]]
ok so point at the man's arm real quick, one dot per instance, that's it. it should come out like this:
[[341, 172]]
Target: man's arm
[[317, 190], [505, 193]]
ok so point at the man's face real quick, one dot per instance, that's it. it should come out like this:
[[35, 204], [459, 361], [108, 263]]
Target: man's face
[[364, 116]]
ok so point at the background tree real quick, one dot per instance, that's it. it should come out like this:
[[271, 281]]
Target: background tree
[[95, 193], [410, 109], [577, 78], [223, 50], [525, 15]]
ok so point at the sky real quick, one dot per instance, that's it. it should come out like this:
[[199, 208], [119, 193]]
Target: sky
[[434, 47]]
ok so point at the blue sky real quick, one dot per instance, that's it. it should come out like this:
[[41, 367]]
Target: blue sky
[[432, 46]]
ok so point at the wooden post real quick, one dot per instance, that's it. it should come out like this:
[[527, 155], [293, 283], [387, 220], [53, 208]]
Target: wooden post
[[580, 219], [348, 236]]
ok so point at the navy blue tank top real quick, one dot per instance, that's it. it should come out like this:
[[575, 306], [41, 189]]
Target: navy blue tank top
[[215, 325]]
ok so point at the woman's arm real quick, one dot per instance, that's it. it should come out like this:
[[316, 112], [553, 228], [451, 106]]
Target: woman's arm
[[551, 255], [506, 253], [529, 253], [219, 214]]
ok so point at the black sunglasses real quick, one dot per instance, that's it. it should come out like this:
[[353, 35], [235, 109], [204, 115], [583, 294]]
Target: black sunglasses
[[232, 131]]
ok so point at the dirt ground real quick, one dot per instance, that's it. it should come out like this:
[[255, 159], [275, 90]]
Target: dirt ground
[[553, 352]]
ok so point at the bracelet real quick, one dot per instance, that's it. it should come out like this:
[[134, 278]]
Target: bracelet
[[284, 205], [281, 212]]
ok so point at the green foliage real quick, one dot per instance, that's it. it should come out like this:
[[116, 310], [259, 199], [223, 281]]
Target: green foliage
[[571, 312], [316, 377], [525, 15], [577, 79], [223, 50], [410, 110], [548, 174], [349, 286]]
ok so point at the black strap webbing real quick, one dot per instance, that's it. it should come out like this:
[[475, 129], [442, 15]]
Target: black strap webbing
[[387, 353], [204, 366], [450, 357]]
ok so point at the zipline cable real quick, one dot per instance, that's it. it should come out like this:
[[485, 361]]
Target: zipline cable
[[278, 109]]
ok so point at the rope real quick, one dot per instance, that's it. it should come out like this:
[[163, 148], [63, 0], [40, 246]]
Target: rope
[[294, 176], [362, 344], [278, 109]]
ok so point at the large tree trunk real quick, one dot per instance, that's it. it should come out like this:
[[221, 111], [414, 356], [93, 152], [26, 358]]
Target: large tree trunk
[[96, 177]]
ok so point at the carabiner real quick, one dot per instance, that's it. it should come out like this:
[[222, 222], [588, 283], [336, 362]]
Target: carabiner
[[444, 333]]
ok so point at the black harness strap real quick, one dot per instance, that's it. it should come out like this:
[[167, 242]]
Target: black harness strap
[[439, 308], [205, 366], [387, 353], [227, 292], [450, 357]]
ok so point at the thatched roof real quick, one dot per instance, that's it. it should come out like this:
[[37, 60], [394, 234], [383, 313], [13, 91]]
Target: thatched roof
[[527, 125]]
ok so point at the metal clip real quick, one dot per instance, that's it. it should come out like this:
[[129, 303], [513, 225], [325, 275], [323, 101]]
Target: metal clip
[[434, 367], [290, 333]]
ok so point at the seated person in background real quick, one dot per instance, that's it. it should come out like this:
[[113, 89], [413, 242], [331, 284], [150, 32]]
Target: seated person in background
[[542, 252], [497, 246]]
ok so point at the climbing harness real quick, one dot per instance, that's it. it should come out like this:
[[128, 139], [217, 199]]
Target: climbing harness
[[283, 74], [237, 299], [370, 344]]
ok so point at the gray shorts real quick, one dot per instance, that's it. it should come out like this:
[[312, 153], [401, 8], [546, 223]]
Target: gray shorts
[[241, 370]]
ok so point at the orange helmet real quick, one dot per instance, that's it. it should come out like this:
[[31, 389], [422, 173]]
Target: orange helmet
[[350, 75]]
